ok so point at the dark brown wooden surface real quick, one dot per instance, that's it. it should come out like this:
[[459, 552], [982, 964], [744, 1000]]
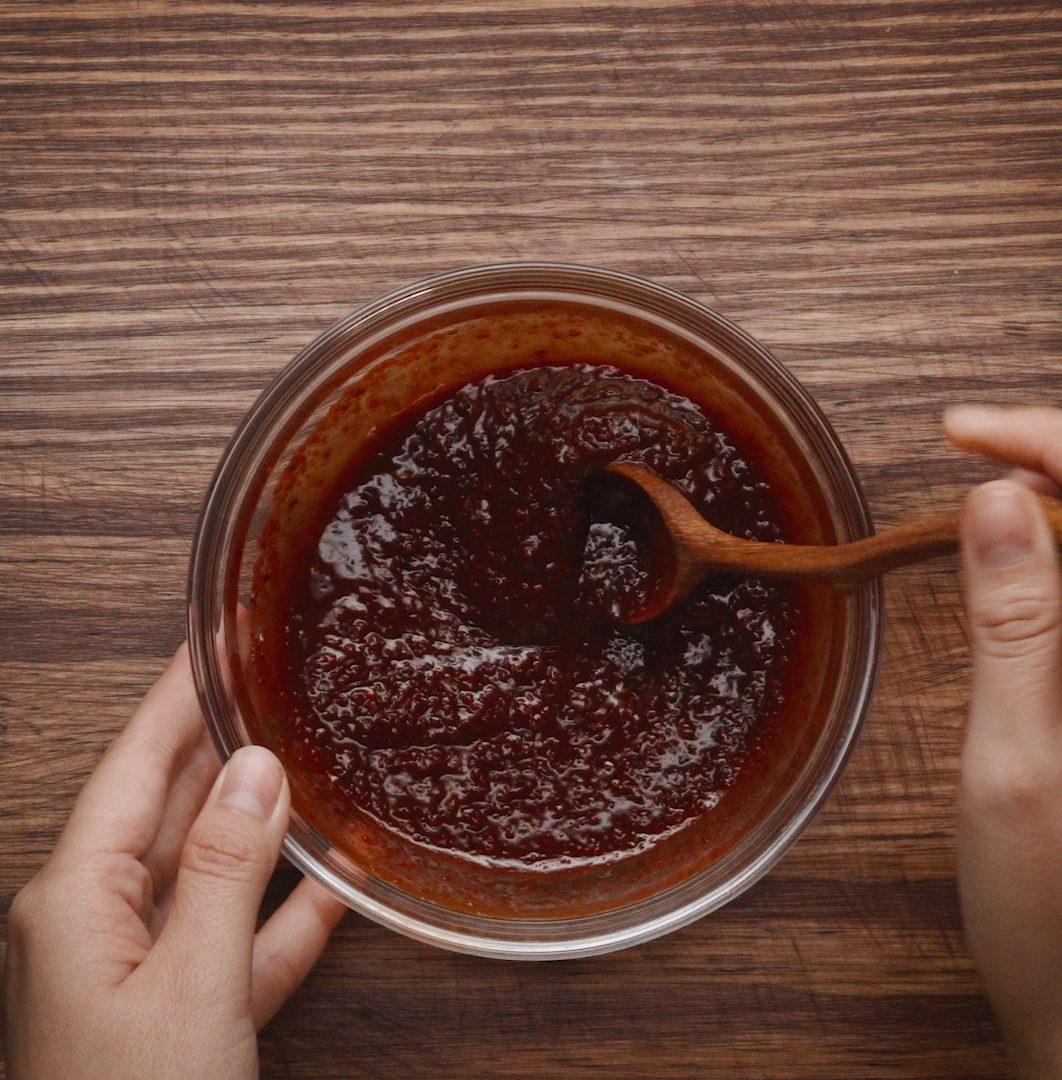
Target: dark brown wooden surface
[[190, 192]]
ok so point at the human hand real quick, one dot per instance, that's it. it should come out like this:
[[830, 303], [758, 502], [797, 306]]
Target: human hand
[[133, 952], [1010, 790]]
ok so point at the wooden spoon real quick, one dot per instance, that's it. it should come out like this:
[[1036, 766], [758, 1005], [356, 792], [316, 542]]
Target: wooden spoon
[[687, 547]]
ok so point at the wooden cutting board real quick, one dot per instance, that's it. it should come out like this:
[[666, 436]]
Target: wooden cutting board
[[192, 191]]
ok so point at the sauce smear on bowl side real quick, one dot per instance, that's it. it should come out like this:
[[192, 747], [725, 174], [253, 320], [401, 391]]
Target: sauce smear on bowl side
[[447, 655]]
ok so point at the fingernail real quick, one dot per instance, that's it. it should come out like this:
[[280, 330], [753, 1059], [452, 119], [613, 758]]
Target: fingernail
[[252, 782], [1001, 525], [971, 412], [963, 422]]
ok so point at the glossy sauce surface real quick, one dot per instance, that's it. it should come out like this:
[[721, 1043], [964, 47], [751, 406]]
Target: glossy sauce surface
[[453, 665]]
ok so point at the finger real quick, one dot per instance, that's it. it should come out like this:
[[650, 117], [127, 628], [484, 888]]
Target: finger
[[120, 807], [225, 864], [1029, 436], [187, 794], [1014, 599], [190, 787], [289, 944], [1035, 481]]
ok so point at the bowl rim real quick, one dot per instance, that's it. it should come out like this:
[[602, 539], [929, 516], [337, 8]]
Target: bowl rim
[[247, 441]]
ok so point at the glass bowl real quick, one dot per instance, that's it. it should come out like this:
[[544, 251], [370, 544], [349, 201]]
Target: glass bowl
[[254, 484]]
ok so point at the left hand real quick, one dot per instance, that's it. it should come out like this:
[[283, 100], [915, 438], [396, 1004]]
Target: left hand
[[133, 952]]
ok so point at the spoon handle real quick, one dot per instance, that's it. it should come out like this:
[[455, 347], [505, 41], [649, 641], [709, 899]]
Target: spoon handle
[[925, 538], [847, 563]]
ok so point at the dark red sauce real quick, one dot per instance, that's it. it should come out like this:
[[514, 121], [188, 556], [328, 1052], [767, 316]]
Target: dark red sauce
[[452, 664]]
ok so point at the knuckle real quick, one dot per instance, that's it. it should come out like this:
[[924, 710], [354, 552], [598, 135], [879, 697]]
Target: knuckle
[[125, 876], [22, 914], [281, 972], [1002, 786], [1016, 619], [220, 852], [35, 916]]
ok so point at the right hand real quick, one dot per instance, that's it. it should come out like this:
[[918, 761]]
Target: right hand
[[1010, 789]]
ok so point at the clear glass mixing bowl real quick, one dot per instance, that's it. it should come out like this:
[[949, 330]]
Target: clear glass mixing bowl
[[250, 479]]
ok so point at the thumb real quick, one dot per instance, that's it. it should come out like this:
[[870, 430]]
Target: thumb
[[1014, 600], [226, 862]]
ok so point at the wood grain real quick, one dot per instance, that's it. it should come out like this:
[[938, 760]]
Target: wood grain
[[191, 191]]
